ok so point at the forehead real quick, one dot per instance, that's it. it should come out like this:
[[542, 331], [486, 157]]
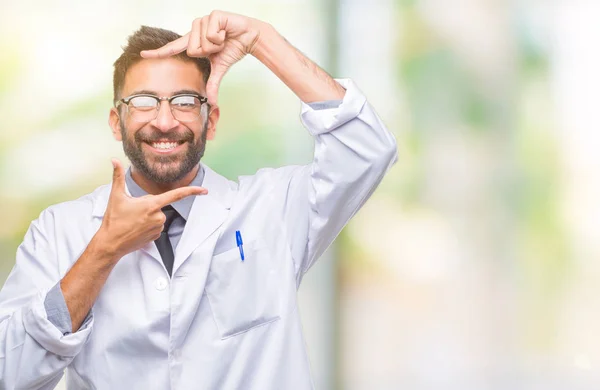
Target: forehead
[[163, 76]]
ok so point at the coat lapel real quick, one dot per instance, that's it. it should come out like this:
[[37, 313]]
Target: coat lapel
[[207, 214]]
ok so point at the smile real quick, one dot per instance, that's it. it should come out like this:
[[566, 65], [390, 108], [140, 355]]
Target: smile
[[164, 146]]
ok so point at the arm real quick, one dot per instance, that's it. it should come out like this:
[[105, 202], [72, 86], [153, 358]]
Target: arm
[[33, 352], [353, 151], [306, 79], [82, 283]]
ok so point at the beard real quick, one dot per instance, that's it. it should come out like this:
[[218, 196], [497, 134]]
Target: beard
[[164, 169]]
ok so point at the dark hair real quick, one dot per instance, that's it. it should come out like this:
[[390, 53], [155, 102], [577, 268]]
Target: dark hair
[[149, 38]]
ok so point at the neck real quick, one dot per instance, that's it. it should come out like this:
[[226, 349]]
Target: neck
[[154, 188]]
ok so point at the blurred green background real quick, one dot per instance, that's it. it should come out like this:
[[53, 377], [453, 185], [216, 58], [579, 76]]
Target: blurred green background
[[473, 266]]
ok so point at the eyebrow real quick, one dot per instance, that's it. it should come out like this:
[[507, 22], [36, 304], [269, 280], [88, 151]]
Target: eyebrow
[[178, 92]]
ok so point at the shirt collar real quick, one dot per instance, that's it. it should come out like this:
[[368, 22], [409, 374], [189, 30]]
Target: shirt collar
[[183, 206]]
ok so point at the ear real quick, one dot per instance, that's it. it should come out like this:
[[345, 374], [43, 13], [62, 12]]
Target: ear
[[213, 118], [114, 123]]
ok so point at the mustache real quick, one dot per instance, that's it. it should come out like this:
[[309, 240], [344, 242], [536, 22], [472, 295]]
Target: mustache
[[154, 136]]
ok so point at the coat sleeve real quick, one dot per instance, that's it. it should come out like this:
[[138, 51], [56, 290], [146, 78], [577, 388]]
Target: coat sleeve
[[33, 351], [353, 151]]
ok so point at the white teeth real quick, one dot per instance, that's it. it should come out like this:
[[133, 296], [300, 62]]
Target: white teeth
[[164, 145]]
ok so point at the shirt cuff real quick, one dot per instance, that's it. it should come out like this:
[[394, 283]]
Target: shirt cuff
[[57, 311], [43, 331], [320, 121], [325, 105]]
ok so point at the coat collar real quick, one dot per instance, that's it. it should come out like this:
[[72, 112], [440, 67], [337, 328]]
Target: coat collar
[[183, 206], [220, 190], [207, 214]]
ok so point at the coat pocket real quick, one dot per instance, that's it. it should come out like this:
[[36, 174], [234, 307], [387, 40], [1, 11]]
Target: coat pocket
[[244, 294]]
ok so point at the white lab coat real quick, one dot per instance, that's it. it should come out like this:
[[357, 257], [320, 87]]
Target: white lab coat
[[218, 323]]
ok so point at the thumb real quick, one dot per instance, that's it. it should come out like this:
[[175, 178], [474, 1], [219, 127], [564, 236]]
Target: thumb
[[118, 182]]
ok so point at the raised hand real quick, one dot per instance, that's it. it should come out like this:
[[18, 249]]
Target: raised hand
[[130, 223], [223, 37]]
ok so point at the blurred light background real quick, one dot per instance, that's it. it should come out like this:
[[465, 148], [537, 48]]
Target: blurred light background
[[475, 265]]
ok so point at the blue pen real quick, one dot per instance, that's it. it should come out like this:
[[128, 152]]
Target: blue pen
[[240, 243]]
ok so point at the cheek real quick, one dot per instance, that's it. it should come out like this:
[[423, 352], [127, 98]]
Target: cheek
[[130, 130], [196, 131]]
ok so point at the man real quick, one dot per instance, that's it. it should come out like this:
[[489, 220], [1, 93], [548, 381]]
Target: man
[[173, 277]]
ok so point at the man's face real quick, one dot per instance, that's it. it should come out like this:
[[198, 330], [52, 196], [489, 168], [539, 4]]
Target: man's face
[[164, 150]]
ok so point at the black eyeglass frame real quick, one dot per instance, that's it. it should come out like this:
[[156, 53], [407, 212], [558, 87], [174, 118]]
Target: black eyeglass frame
[[160, 99]]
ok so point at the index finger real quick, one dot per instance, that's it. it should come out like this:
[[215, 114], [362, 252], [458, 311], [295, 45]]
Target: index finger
[[178, 194], [170, 49]]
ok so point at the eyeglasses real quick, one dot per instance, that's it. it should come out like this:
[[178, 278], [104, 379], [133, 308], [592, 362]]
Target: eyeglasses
[[144, 107]]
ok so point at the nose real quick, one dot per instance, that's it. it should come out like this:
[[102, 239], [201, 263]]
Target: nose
[[165, 120]]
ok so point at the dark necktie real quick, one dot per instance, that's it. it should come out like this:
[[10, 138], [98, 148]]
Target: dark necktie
[[163, 243]]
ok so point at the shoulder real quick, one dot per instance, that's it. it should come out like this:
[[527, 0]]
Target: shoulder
[[81, 208], [267, 179]]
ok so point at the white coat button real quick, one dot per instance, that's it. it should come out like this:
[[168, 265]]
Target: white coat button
[[160, 283]]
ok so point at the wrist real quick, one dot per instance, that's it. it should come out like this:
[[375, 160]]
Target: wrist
[[266, 34], [104, 247]]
